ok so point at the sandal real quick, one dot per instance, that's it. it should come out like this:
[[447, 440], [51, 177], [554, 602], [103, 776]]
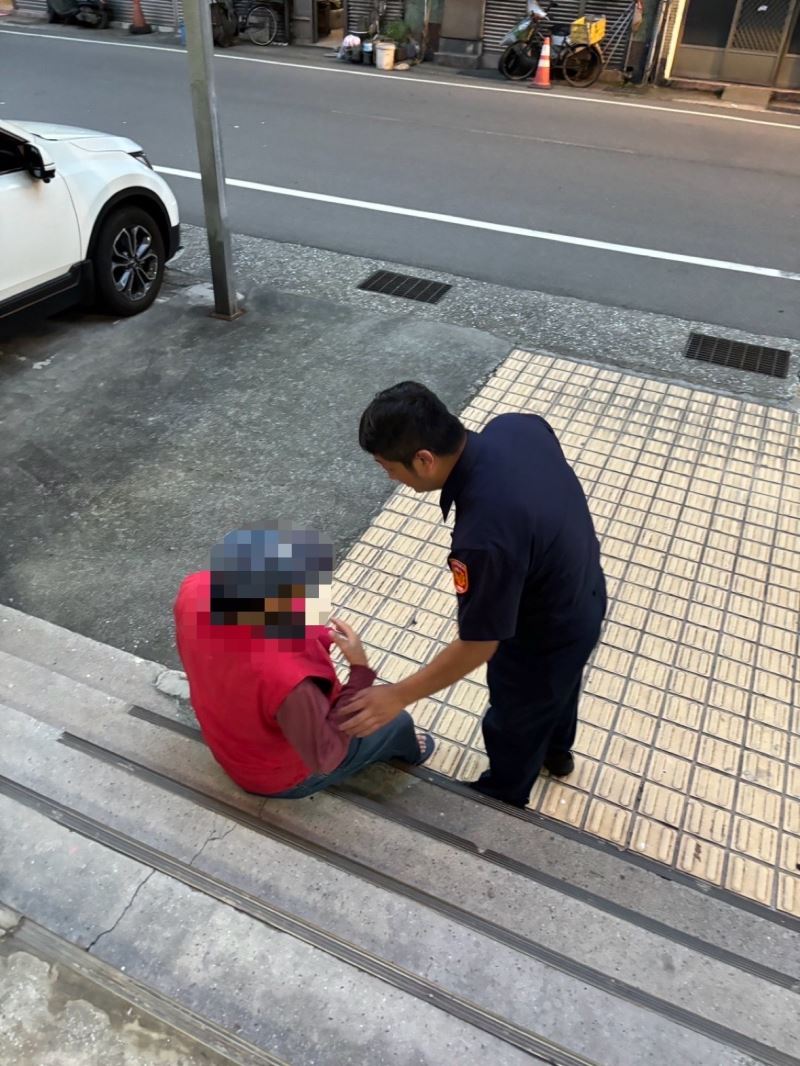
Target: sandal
[[428, 748]]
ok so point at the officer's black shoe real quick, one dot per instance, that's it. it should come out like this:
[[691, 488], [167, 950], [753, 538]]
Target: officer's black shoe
[[487, 790], [559, 763]]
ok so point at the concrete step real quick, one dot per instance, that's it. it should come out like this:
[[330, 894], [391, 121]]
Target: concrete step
[[563, 944], [55, 994], [227, 959], [658, 897], [575, 862], [417, 933], [114, 672]]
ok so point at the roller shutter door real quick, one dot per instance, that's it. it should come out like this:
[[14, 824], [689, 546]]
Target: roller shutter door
[[503, 15], [359, 13]]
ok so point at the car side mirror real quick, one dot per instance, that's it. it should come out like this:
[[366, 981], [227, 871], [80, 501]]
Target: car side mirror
[[37, 163]]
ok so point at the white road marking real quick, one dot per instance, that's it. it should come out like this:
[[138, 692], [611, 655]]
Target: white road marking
[[494, 227], [398, 79]]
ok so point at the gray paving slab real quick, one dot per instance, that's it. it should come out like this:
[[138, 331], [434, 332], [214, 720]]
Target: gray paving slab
[[268, 987], [630, 886], [228, 967], [130, 678], [568, 926], [508, 983], [330, 898], [31, 755], [285, 877]]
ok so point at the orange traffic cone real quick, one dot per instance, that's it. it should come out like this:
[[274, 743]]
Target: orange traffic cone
[[138, 23], [541, 80]]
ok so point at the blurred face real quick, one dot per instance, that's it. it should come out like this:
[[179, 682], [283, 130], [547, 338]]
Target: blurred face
[[295, 603], [427, 472], [281, 609], [319, 604]]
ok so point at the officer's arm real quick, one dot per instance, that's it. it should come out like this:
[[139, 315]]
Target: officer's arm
[[488, 582], [376, 706], [456, 661]]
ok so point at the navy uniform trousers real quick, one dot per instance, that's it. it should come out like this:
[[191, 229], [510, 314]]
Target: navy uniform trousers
[[533, 705]]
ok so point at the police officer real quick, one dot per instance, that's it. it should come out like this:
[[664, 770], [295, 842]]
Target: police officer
[[526, 569]]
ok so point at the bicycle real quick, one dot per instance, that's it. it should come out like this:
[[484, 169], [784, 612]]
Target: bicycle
[[581, 64], [257, 22]]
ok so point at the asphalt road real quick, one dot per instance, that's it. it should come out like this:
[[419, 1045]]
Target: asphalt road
[[656, 179]]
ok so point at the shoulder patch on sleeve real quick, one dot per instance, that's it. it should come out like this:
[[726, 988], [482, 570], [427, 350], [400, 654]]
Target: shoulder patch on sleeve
[[460, 576]]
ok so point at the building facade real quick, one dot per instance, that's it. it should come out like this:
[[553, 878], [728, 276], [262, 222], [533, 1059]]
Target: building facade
[[748, 42], [471, 30]]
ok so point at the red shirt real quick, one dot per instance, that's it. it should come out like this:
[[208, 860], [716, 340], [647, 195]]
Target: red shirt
[[239, 682]]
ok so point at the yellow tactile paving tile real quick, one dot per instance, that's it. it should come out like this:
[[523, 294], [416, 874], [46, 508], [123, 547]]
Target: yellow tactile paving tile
[[688, 750]]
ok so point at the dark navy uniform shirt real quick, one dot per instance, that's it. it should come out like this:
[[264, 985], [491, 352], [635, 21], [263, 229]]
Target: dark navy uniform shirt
[[525, 557]]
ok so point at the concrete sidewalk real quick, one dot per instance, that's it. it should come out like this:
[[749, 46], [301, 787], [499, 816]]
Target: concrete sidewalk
[[130, 447]]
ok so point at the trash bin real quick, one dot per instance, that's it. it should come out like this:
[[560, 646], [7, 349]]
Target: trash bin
[[323, 18], [384, 55]]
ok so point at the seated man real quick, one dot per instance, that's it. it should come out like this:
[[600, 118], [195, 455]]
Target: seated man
[[252, 636]]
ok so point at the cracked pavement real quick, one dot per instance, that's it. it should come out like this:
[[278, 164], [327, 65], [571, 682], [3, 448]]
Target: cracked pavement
[[125, 909]]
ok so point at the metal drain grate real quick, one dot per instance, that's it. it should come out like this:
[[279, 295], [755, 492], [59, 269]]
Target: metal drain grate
[[410, 288], [723, 352]]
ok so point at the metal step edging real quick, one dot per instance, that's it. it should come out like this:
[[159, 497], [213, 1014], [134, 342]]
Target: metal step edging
[[307, 932], [431, 777], [577, 970]]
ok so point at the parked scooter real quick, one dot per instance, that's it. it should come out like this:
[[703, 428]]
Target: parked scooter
[[94, 13]]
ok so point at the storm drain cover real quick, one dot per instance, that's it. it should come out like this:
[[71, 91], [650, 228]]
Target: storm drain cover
[[405, 285], [723, 352]]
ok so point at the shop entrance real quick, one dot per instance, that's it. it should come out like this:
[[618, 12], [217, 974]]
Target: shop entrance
[[319, 22], [752, 42]]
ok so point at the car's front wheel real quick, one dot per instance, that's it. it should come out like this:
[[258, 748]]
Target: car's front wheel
[[128, 261]]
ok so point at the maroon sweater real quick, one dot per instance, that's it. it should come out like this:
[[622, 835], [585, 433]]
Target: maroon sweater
[[308, 720]]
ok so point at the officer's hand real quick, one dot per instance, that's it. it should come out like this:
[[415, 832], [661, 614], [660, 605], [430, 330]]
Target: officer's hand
[[348, 642], [369, 710]]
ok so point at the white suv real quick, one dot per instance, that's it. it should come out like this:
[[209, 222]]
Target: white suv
[[83, 217]]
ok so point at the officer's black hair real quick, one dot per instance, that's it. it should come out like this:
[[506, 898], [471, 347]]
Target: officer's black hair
[[406, 419]]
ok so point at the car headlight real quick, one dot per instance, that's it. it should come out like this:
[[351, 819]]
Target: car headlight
[[142, 158]]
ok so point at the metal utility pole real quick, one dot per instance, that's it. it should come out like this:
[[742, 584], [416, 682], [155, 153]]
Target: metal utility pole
[[200, 49]]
